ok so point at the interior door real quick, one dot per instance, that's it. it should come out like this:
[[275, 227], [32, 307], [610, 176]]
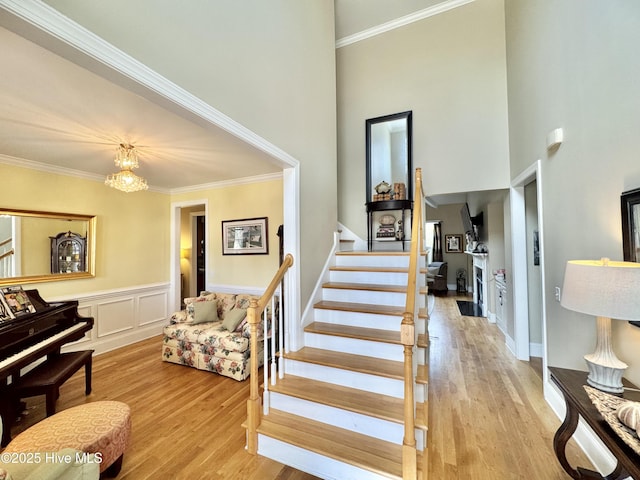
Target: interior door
[[201, 269]]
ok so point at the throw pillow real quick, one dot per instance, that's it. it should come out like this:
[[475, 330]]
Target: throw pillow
[[205, 312], [233, 318], [433, 271]]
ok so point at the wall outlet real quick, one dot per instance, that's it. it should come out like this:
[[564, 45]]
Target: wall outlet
[[558, 293]]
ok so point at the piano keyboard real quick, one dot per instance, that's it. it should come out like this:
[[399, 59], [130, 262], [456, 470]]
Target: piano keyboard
[[41, 345]]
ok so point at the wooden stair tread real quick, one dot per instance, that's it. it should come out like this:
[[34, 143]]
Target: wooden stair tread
[[367, 308], [360, 307], [374, 405], [366, 286], [423, 375], [344, 268], [343, 445], [362, 333], [348, 361], [364, 253]]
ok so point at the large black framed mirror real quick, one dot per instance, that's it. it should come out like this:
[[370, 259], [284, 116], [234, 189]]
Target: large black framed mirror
[[27, 241], [389, 177], [630, 209], [389, 156]]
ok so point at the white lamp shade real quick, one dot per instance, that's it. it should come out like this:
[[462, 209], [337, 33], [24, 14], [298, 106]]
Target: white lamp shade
[[602, 288]]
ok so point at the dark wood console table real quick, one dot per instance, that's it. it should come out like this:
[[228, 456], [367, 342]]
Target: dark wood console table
[[578, 404]]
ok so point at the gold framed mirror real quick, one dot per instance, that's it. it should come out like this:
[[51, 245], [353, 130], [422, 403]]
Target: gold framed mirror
[[33, 247]]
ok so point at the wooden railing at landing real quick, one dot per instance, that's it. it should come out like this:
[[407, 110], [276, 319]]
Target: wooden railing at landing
[[408, 336], [6, 258], [256, 311]]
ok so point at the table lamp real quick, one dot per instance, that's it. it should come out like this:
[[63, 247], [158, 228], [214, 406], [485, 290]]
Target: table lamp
[[607, 290]]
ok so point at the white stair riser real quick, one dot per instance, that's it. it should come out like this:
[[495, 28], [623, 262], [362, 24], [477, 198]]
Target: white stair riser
[[364, 320], [356, 346], [356, 422], [366, 297], [372, 261], [369, 297], [357, 319], [364, 277], [347, 378], [318, 465]]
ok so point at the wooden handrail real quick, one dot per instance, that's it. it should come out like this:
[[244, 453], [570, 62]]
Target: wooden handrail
[[287, 262], [256, 307], [7, 254], [4, 242], [408, 336]]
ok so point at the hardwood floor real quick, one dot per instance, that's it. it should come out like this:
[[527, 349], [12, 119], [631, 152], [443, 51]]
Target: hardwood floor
[[488, 419]]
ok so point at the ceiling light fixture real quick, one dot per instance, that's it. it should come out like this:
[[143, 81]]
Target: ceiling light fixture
[[125, 180]]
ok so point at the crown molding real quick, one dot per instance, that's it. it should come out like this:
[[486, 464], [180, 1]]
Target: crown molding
[[401, 22], [57, 170], [52, 22], [228, 183], [70, 172]]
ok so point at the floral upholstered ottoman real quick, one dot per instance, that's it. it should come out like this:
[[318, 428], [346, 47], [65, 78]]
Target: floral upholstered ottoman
[[99, 428], [212, 333]]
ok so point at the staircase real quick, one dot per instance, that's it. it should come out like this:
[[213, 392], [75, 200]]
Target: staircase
[[338, 411]]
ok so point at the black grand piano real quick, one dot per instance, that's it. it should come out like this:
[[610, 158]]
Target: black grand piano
[[28, 338]]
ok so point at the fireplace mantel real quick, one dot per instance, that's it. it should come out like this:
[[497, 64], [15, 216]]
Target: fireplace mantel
[[480, 280]]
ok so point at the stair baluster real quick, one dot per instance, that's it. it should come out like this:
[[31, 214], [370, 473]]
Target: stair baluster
[[255, 312]]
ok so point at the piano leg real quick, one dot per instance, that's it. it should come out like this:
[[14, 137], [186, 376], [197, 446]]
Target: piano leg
[[7, 413]]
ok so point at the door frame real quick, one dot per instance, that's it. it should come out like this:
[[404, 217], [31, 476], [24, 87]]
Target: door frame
[[519, 262], [174, 247]]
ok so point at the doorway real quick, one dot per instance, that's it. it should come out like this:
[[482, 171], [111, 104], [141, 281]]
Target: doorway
[[199, 246], [528, 278], [190, 249]]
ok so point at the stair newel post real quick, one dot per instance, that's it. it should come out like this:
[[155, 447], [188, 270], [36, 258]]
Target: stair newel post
[[253, 404], [409, 453]]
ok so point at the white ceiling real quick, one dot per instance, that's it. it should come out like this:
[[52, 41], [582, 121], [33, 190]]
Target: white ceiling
[[56, 113]]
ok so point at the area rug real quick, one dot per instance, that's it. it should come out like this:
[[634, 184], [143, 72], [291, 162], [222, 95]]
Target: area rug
[[469, 309]]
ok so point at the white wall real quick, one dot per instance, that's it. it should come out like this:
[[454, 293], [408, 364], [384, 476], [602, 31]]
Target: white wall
[[574, 64], [450, 70], [268, 65]]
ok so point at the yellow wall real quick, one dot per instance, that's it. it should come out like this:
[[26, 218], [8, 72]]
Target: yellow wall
[[133, 230], [234, 203], [132, 234]]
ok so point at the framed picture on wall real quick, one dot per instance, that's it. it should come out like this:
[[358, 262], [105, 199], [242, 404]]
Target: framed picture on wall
[[248, 236], [453, 243]]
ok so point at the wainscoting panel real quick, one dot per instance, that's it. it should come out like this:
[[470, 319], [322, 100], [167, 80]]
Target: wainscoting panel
[[152, 308], [115, 316], [122, 316]]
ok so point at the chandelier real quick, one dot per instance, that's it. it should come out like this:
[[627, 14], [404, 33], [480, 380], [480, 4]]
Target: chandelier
[[125, 180]]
